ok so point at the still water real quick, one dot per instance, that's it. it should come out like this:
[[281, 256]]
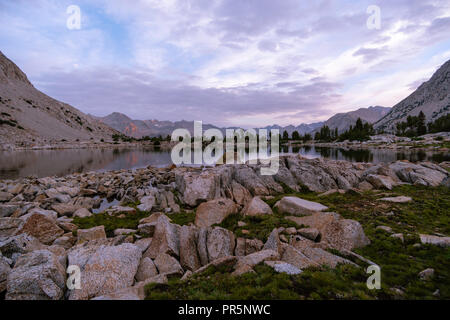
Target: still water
[[42, 163]]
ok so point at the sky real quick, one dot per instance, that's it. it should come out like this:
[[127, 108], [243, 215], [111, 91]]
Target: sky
[[227, 62]]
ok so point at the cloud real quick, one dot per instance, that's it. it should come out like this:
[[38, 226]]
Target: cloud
[[224, 61]]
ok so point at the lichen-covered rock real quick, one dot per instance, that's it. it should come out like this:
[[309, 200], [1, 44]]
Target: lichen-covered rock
[[189, 258], [168, 265], [104, 269], [256, 207], [94, 233], [37, 275], [220, 243], [146, 269], [335, 232], [41, 227], [298, 207], [9, 226], [214, 212], [165, 239]]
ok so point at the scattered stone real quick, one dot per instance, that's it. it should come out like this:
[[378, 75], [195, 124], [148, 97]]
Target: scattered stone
[[147, 203], [256, 207], [168, 265], [41, 227], [120, 232], [82, 213], [334, 231], [435, 240], [398, 236], [6, 210], [214, 212], [189, 258], [381, 182], [165, 239], [241, 224], [91, 234], [5, 196], [309, 233], [220, 243], [9, 226], [273, 242], [400, 199], [37, 275], [119, 210], [146, 269], [283, 267], [104, 269], [298, 207], [385, 229], [426, 274]]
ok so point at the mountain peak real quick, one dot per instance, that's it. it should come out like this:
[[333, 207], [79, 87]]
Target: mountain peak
[[431, 97], [9, 71]]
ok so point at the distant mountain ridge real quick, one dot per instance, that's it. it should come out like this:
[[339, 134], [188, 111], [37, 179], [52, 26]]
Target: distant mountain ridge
[[30, 117], [141, 128], [343, 121], [432, 98], [152, 128]]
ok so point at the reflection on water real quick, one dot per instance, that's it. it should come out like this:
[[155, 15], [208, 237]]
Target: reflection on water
[[368, 155], [42, 163]]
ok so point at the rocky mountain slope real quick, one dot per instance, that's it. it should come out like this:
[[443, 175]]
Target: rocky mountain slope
[[142, 128], [432, 97], [29, 117], [343, 121]]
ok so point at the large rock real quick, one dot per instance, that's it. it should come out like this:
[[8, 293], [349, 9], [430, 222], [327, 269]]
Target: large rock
[[296, 258], [240, 195], [220, 243], [257, 207], [82, 213], [425, 173], [165, 239], [435, 240], [258, 257], [37, 275], [13, 247], [381, 182], [189, 258], [94, 233], [9, 226], [146, 269], [298, 207], [5, 269], [283, 267], [168, 265], [273, 242], [41, 227], [214, 212], [335, 232], [65, 209], [247, 246], [7, 210], [104, 269], [5, 196], [197, 187], [251, 181], [147, 203]]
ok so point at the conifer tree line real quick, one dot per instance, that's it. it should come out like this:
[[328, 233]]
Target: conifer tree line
[[413, 126]]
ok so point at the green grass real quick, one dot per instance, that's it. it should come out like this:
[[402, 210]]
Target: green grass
[[400, 262], [259, 227], [111, 223]]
